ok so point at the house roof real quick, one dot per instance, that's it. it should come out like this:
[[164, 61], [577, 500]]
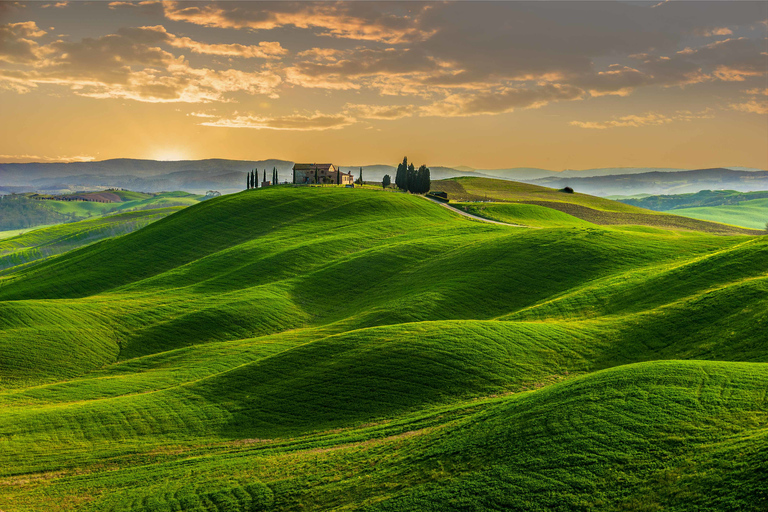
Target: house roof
[[312, 167]]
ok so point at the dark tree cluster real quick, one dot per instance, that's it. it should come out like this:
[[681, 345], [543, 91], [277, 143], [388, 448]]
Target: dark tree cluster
[[412, 180], [386, 181], [360, 177]]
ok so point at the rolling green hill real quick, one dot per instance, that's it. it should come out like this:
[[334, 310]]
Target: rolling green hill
[[749, 214], [356, 349], [24, 211], [592, 209], [24, 248]]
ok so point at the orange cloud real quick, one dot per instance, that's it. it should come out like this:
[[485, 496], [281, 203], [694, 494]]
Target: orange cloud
[[16, 42], [752, 107], [647, 119], [506, 100], [298, 122], [380, 111], [342, 20], [129, 65]]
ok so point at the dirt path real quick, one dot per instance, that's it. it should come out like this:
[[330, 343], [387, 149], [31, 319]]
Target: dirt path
[[475, 217]]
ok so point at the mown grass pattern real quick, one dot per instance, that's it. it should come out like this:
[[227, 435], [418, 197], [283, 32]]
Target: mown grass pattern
[[327, 348]]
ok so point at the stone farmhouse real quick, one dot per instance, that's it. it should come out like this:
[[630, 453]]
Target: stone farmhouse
[[320, 173]]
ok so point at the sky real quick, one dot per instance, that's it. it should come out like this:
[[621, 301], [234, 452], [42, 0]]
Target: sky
[[554, 85]]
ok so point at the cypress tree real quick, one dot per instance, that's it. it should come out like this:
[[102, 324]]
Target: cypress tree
[[386, 181], [400, 177], [424, 179], [247, 181], [265, 175], [253, 180], [274, 171], [360, 177], [410, 178]]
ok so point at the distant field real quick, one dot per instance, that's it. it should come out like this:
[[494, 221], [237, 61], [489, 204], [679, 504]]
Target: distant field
[[131, 201], [31, 245], [596, 210], [524, 214], [22, 212], [749, 214], [323, 348], [17, 232]]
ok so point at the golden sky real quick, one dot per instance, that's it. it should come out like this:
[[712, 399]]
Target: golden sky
[[485, 84]]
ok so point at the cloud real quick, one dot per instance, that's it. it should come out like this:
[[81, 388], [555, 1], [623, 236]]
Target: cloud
[[647, 119], [158, 34], [709, 32], [35, 158], [16, 42], [296, 122], [130, 65], [456, 58], [380, 111], [502, 101], [751, 106], [148, 7], [349, 20]]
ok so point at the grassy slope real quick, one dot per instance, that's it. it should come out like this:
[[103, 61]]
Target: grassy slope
[[749, 214], [131, 201], [327, 348], [40, 243], [592, 209], [523, 214]]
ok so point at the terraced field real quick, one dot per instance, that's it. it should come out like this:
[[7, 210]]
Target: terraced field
[[353, 349]]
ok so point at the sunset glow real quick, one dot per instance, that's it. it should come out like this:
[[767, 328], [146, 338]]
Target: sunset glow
[[486, 84]]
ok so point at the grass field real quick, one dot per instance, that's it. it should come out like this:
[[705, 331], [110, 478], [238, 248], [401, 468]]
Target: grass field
[[130, 201], [26, 246], [356, 349], [596, 210], [749, 214], [19, 213]]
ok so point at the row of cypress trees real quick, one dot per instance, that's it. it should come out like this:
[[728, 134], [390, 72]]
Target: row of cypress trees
[[252, 178], [412, 180]]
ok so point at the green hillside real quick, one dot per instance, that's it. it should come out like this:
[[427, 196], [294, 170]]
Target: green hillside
[[699, 199], [357, 349], [26, 211], [26, 247], [749, 214], [596, 210]]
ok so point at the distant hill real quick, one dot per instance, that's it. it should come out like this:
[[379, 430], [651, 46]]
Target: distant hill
[[702, 198], [749, 214], [196, 176], [746, 209], [592, 209], [23, 211], [657, 182], [226, 176]]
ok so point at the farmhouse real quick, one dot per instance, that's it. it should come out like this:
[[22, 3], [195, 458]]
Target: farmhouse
[[320, 173]]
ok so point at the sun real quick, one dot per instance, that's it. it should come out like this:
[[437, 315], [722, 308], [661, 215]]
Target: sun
[[170, 154]]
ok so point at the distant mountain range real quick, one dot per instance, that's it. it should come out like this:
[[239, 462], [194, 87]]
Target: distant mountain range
[[198, 176]]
